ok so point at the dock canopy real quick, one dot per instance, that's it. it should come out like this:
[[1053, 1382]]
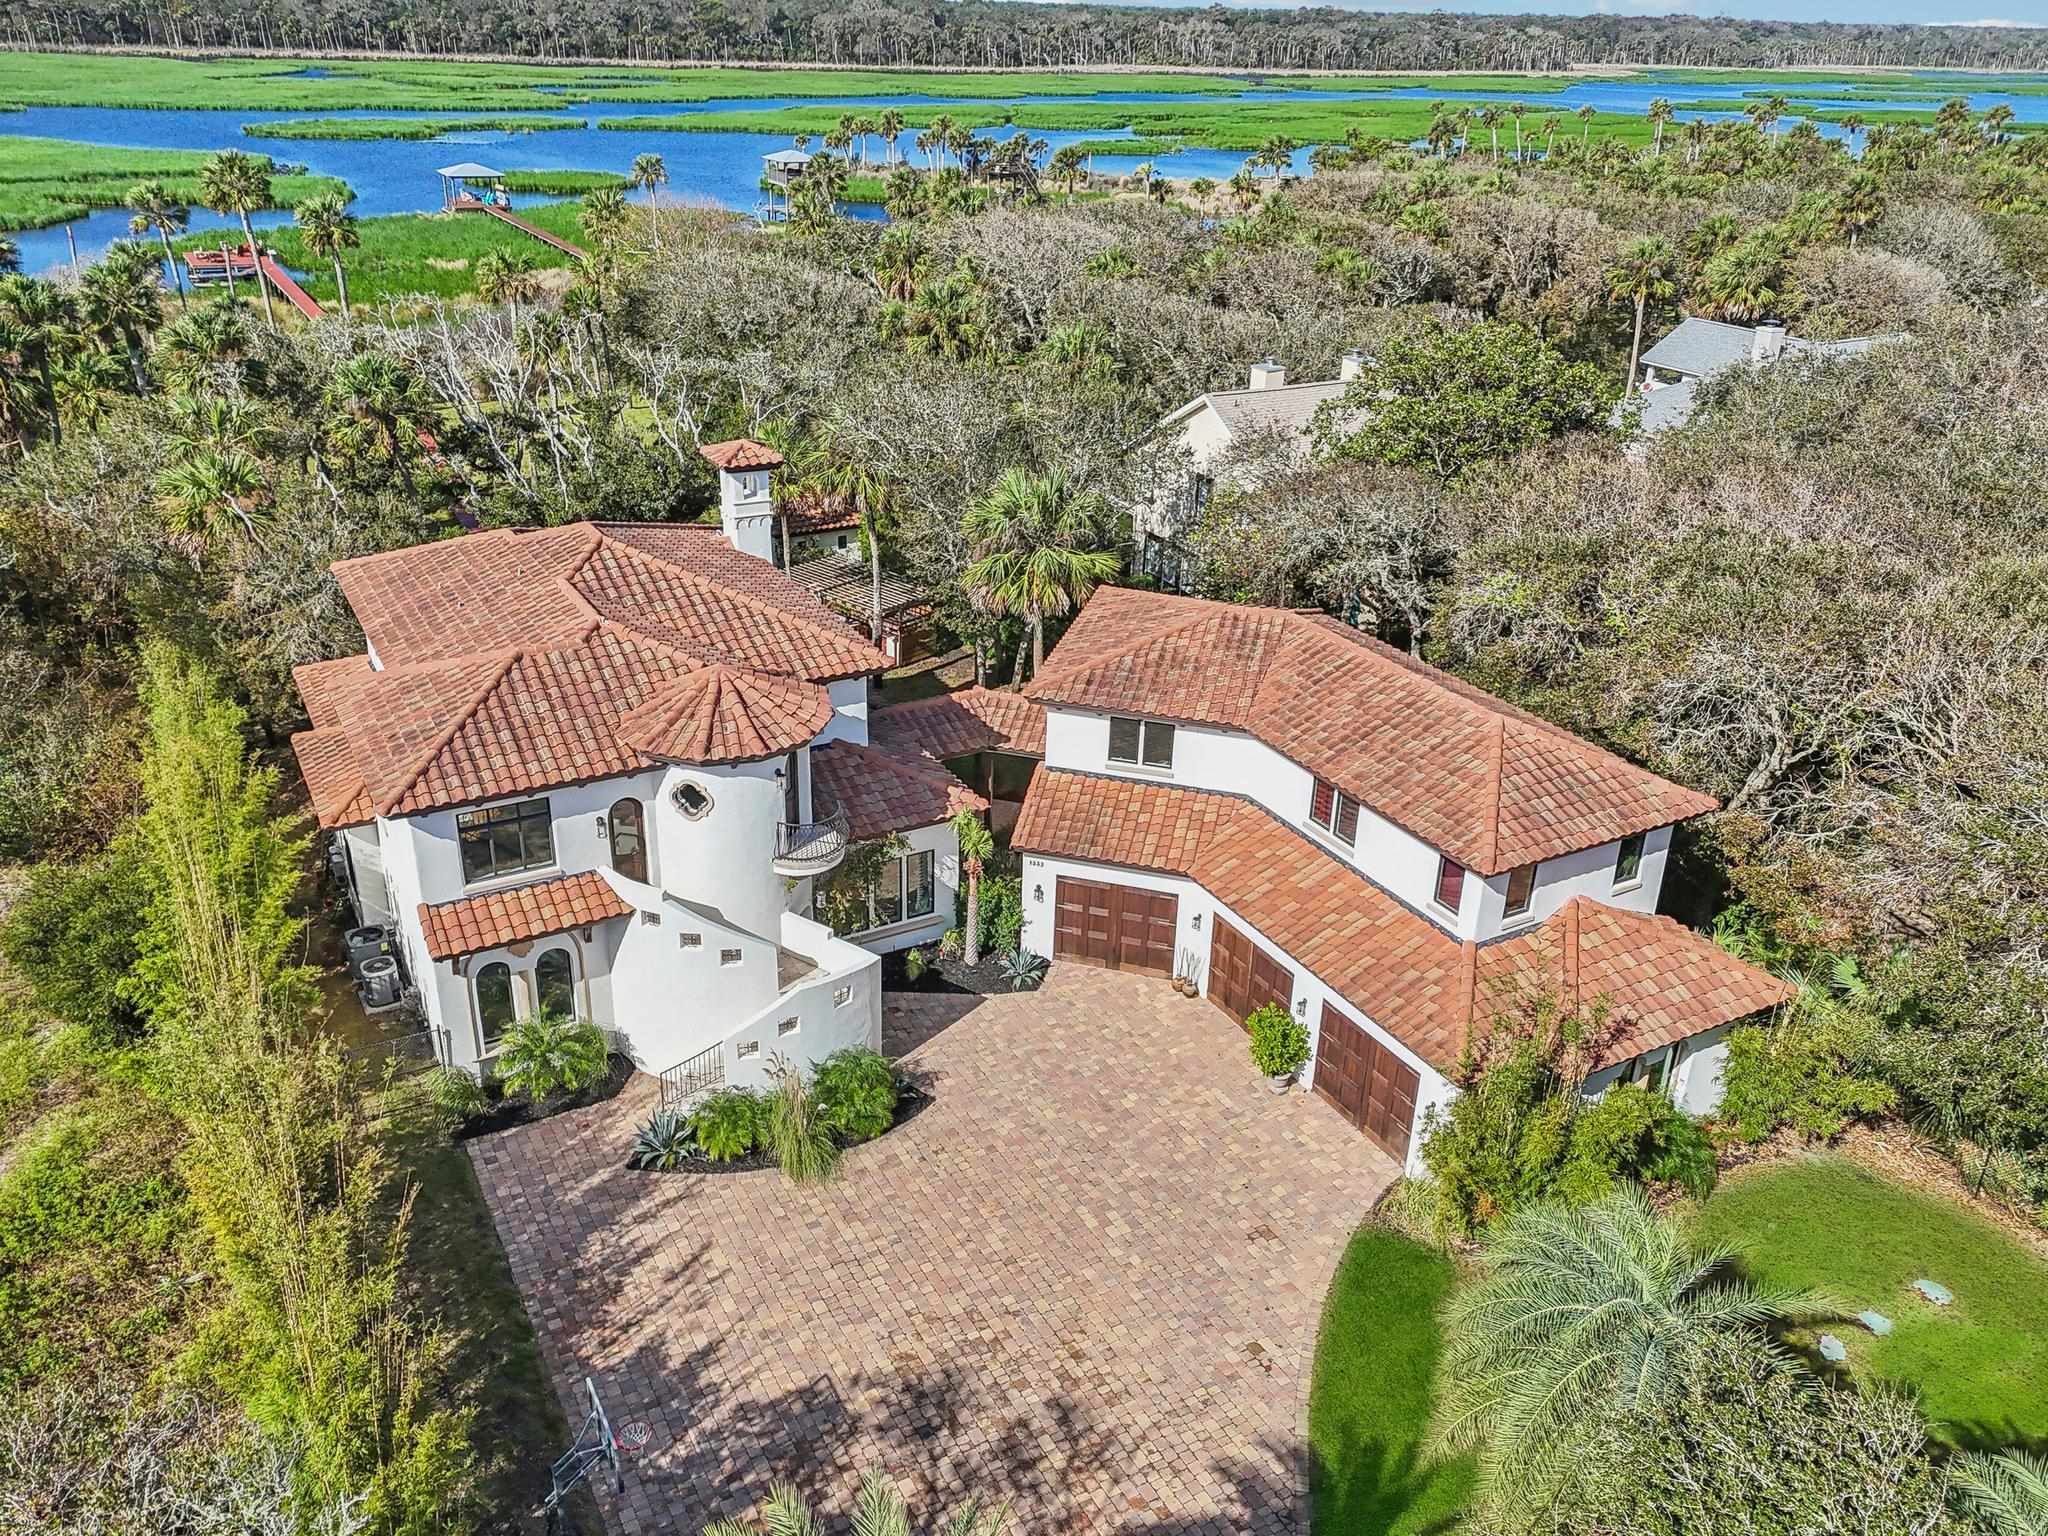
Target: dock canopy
[[457, 179]]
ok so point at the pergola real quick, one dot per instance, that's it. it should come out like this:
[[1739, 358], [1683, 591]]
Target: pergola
[[456, 180]]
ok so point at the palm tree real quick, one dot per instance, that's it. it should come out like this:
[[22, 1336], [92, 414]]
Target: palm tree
[[199, 493], [121, 297], [1996, 119], [155, 209], [1518, 110], [941, 130], [1660, 113], [1852, 123], [863, 129], [1579, 1313], [376, 393], [890, 126], [1696, 132], [1645, 271], [1859, 204], [1066, 167], [202, 345], [1038, 540], [1741, 283], [837, 473], [976, 846], [1489, 119], [1551, 123], [45, 324], [232, 182], [603, 215], [1278, 152], [649, 172], [328, 229], [901, 259], [1244, 189], [504, 277], [2007, 1490], [1585, 116], [879, 1511]]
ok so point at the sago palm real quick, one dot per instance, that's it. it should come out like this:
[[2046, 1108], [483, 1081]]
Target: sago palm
[[1579, 1313], [2007, 1490], [1039, 549], [879, 1511], [232, 182]]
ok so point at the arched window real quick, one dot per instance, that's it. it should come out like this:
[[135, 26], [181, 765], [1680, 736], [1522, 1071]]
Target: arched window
[[629, 840], [494, 1002], [554, 983]]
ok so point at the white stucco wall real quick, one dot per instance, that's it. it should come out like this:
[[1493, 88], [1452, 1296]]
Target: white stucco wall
[[944, 844], [849, 720], [838, 1007], [366, 874], [1233, 762]]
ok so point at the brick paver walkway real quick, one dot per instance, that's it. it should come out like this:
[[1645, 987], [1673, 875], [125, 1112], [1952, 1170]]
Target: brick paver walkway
[[1086, 1279]]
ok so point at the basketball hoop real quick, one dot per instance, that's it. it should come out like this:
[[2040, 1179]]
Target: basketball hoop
[[634, 1436]]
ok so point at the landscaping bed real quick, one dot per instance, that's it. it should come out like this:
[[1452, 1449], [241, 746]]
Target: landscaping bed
[[508, 1110], [944, 974], [912, 1099]]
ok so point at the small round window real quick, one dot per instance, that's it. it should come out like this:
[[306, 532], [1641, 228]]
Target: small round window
[[691, 799]]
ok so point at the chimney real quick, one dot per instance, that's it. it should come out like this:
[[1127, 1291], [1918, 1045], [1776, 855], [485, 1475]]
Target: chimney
[[746, 508], [1352, 366], [1766, 342], [1268, 375]]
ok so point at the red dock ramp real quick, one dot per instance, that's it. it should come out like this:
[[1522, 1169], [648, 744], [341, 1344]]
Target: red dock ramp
[[293, 294], [506, 217]]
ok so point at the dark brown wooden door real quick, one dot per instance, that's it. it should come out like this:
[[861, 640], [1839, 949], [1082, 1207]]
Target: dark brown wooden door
[[1369, 1084], [1118, 927], [1243, 977]]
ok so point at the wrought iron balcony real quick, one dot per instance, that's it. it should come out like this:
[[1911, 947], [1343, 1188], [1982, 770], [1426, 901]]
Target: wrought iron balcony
[[812, 847]]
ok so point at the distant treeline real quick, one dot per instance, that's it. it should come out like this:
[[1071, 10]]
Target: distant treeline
[[985, 33]]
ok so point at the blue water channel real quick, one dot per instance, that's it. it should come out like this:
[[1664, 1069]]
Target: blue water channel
[[723, 169]]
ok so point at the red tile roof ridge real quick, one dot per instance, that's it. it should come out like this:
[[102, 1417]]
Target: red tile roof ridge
[[424, 759], [715, 700]]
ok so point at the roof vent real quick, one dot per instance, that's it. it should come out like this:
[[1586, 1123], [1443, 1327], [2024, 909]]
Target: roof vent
[[1267, 374]]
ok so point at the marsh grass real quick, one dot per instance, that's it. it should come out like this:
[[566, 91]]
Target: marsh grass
[[372, 128], [50, 181]]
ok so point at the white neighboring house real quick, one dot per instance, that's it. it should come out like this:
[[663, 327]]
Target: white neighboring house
[[1286, 810], [1200, 444], [1699, 350], [603, 768]]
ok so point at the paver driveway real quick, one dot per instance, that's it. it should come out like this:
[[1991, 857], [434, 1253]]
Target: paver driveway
[[1085, 1279]]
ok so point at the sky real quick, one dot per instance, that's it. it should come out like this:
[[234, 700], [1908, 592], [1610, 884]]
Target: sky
[[2026, 13]]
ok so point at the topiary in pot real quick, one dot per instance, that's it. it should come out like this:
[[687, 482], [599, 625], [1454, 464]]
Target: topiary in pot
[[1279, 1044]]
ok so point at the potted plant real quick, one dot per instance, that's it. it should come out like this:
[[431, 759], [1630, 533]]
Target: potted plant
[[1279, 1044]]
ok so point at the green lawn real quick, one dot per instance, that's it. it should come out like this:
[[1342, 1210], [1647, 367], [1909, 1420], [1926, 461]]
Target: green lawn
[[417, 253], [1369, 1399], [1980, 1366], [50, 181]]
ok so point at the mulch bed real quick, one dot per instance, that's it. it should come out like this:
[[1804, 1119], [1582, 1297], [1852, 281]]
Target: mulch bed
[[506, 1112], [944, 975], [913, 1097]]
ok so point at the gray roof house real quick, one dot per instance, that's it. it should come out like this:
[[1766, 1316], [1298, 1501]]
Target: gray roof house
[[1699, 350]]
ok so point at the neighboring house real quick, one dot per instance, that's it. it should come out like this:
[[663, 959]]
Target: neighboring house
[[1699, 350], [1287, 810], [1200, 444], [604, 768]]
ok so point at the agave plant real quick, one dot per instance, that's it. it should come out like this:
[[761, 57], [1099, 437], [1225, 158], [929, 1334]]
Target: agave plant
[[1023, 970], [663, 1140]]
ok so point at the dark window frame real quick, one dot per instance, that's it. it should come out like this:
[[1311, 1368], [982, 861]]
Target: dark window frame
[[632, 863], [488, 1041], [568, 981], [1525, 872], [496, 831]]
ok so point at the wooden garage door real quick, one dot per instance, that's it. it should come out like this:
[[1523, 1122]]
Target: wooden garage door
[[1242, 976], [1116, 926], [1368, 1083]]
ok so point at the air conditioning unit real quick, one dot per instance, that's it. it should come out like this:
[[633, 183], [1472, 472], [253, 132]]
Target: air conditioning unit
[[380, 982], [365, 944]]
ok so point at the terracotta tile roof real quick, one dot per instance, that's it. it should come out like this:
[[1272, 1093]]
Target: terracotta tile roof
[[457, 928], [1419, 983], [317, 680], [333, 781], [958, 724], [883, 793], [741, 453], [1493, 786], [813, 512], [680, 584], [721, 714]]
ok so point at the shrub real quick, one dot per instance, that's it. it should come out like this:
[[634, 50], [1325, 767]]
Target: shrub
[[730, 1124], [856, 1091], [1279, 1041], [1022, 969], [72, 937], [548, 1054], [1794, 1075], [1498, 1144], [951, 944], [455, 1095], [662, 1141], [915, 963], [1002, 913], [798, 1132], [1633, 1133]]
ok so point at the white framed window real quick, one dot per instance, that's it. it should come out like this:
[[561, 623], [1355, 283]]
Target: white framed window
[[747, 1048], [1450, 884], [785, 1027], [1521, 889], [841, 996], [495, 1011], [1334, 811], [1140, 743], [690, 940], [1628, 862]]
